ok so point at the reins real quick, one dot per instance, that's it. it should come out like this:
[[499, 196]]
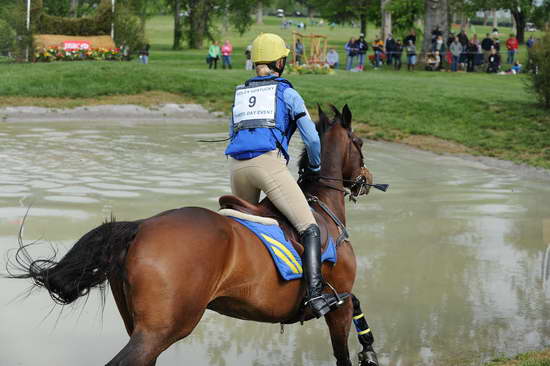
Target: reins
[[359, 183]]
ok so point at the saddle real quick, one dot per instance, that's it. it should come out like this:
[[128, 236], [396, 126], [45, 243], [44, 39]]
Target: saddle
[[266, 209]]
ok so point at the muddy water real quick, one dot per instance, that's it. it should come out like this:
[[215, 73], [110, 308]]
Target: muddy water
[[453, 260]]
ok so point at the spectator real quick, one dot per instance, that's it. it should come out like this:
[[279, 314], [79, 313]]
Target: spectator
[[478, 58], [530, 42], [471, 52], [486, 44], [495, 33], [410, 37], [351, 52], [362, 48], [494, 61], [125, 51], [213, 55], [516, 68], [463, 38], [432, 62], [397, 52], [512, 47], [496, 44], [299, 51], [248, 55], [333, 59], [378, 48], [456, 51], [144, 54], [227, 50], [450, 39], [435, 34], [439, 46], [411, 55], [390, 45]]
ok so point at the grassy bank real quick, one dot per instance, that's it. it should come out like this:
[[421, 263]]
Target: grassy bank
[[541, 358], [484, 114]]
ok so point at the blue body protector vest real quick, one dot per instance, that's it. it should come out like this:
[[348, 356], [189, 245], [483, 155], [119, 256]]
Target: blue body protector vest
[[252, 135]]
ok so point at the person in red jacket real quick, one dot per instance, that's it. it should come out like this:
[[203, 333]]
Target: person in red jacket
[[512, 46]]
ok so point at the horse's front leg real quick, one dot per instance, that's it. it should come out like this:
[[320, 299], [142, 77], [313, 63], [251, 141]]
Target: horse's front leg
[[367, 356], [339, 323]]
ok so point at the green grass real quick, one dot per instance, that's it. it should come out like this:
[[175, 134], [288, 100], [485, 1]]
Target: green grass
[[541, 358], [490, 114]]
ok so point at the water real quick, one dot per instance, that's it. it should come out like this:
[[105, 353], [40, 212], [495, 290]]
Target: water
[[453, 259]]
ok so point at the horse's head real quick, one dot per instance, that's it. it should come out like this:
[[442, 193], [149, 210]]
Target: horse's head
[[337, 134], [342, 157]]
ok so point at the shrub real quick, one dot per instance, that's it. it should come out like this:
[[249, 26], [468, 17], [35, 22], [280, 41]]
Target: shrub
[[539, 73], [128, 29], [310, 69], [96, 25], [7, 37]]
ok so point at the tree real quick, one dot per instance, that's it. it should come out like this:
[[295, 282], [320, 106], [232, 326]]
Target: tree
[[405, 14], [521, 10], [339, 11], [260, 12], [201, 16], [176, 45], [541, 15], [386, 18], [436, 15]]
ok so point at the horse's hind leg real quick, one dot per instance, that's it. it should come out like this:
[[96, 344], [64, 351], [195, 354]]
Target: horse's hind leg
[[339, 323], [367, 356]]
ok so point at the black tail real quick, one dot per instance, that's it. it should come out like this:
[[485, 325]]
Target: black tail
[[97, 255]]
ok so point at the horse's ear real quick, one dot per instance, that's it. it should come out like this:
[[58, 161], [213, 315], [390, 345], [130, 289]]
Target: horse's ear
[[346, 117], [337, 114]]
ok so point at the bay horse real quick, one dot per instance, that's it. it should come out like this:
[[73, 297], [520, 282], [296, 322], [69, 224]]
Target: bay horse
[[166, 270]]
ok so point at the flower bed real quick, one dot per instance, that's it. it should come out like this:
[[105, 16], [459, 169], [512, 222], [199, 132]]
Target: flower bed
[[310, 69], [49, 54]]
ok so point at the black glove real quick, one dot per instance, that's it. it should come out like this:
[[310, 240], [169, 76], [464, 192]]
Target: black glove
[[312, 173]]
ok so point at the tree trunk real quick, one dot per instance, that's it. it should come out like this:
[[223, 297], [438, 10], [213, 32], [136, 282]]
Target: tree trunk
[[310, 11], [260, 13], [198, 22], [495, 18], [74, 8], [485, 18], [437, 14], [463, 22], [386, 19], [363, 22], [519, 17], [177, 25]]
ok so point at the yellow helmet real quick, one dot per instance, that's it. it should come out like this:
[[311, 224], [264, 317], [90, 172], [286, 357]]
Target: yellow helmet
[[268, 47]]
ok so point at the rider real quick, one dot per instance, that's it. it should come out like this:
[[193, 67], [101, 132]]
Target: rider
[[266, 112]]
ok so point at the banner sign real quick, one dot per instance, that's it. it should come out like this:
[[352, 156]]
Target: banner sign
[[76, 45]]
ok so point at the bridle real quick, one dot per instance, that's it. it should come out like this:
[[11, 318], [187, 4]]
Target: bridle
[[358, 186]]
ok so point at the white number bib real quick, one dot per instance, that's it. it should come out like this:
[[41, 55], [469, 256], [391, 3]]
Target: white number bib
[[255, 104]]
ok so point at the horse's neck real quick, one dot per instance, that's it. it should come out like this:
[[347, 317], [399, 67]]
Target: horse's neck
[[332, 162]]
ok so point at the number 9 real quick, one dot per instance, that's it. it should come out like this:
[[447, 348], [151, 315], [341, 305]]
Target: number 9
[[252, 101]]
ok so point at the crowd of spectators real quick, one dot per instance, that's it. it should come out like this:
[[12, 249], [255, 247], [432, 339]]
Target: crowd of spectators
[[456, 53]]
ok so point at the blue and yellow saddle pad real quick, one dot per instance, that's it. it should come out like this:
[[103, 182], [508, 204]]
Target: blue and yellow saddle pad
[[286, 259]]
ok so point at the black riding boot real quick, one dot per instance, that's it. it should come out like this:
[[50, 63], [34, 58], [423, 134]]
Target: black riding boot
[[319, 303]]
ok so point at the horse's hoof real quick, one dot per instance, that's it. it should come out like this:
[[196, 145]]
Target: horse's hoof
[[368, 358]]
